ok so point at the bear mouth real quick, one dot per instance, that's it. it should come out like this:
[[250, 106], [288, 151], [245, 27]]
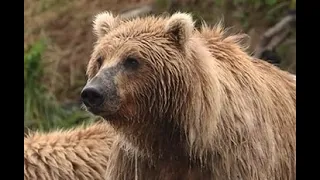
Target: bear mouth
[[102, 113], [94, 111]]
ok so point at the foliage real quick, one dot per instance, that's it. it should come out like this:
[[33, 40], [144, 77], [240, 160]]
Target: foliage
[[41, 110]]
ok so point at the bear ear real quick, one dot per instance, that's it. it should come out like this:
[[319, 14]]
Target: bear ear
[[103, 22], [180, 27]]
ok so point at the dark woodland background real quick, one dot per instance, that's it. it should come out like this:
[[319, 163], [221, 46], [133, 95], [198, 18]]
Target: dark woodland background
[[58, 41]]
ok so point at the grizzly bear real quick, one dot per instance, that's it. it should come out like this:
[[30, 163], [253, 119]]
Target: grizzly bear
[[78, 154], [189, 103]]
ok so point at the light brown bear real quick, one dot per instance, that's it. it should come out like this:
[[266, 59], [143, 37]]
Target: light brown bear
[[189, 104], [78, 154]]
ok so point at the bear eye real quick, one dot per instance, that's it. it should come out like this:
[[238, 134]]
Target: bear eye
[[131, 63], [99, 61]]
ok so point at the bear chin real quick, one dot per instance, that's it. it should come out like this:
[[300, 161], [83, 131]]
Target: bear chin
[[103, 112]]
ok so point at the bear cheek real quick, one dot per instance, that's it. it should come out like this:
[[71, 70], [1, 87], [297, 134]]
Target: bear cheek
[[129, 107], [122, 91]]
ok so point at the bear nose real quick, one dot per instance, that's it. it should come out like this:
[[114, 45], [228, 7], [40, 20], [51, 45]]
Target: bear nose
[[92, 97]]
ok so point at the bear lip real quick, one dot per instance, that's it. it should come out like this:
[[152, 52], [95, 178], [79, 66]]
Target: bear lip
[[100, 112], [95, 111]]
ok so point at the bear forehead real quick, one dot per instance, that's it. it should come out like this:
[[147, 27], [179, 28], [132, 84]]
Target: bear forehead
[[139, 27], [141, 30]]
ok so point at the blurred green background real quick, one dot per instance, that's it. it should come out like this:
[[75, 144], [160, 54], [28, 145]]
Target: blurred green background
[[58, 41]]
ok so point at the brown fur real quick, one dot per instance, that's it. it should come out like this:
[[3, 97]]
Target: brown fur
[[199, 107], [78, 154]]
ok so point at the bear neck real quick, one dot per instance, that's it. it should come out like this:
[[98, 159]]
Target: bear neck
[[159, 140]]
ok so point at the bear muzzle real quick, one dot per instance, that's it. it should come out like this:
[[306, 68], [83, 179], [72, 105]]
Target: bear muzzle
[[100, 95]]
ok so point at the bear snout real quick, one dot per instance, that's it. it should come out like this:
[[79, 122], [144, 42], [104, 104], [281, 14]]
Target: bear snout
[[92, 97], [93, 94], [100, 94]]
